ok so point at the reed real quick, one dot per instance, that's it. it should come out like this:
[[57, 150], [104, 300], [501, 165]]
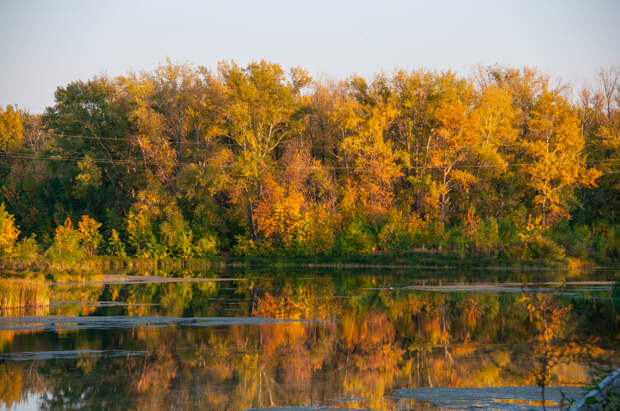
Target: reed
[[23, 293]]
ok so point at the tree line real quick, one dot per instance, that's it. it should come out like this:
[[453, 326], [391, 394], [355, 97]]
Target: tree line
[[256, 161]]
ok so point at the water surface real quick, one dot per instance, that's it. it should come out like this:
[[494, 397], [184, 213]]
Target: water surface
[[300, 339]]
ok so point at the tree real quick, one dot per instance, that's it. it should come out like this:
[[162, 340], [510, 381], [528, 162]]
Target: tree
[[422, 98], [67, 247], [452, 146], [553, 153], [369, 162], [600, 121], [8, 232], [89, 234], [11, 128], [89, 123], [259, 115]]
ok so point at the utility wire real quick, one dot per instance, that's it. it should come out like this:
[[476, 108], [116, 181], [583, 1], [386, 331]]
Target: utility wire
[[138, 162]]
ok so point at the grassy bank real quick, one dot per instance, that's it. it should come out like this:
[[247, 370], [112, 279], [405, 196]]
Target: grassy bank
[[23, 293], [90, 268], [416, 259], [96, 265]]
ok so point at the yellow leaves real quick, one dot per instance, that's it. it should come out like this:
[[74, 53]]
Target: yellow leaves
[[11, 128], [11, 383], [345, 115], [553, 148], [534, 225], [371, 160], [213, 132], [300, 78], [279, 212], [452, 119], [463, 179], [261, 104], [493, 119], [284, 216], [8, 232], [90, 238], [589, 177]]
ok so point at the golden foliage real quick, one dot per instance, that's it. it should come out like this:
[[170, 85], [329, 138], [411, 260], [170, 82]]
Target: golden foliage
[[11, 128], [8, 232]]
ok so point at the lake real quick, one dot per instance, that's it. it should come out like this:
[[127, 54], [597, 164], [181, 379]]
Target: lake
[[305, 339]]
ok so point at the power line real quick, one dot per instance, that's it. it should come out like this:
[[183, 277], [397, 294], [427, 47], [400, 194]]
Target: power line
[[194, 143], [188, 143], [138, 162]]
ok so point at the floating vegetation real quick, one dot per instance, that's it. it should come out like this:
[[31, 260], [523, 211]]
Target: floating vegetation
[[23, 293]]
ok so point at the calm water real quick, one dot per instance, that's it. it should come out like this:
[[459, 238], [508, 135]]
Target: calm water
[[363, 339]]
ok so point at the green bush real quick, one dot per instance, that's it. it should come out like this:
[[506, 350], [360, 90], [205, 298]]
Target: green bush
[[541, 248], [116, 247], [66, 247], [356, 238], [206, 246], [28, 250]]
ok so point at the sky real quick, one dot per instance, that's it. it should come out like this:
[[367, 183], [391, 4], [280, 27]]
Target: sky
[[46, 44]]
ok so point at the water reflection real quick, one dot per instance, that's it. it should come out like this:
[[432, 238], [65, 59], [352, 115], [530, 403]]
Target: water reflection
[[373, 339]]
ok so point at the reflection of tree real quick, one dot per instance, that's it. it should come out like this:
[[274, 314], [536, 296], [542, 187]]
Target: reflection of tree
[[380, 340], [10, 383], [550, 341], [371, 355], [76, 293]]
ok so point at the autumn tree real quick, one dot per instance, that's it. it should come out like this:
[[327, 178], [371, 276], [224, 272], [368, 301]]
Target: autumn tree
[[171, 110], [260, 114], [599, 112], [66, 247], [295, 214], [8, 232], [553, 153], [11, 128], [421, 98], [368, 160], [89, 234]]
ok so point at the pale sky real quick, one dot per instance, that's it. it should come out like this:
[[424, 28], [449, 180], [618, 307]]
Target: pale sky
[[46, 44]]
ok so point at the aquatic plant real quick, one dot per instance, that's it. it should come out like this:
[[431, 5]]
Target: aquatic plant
[[22, 293]]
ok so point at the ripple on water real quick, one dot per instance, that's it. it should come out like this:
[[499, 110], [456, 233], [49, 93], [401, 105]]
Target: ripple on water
[[68, 354], [55, 322], [497, 398]]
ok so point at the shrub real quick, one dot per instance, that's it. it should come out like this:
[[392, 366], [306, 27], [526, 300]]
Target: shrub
[[176, 233], [356, 238], [142, 236], [116, 246], [156, 226], [89, 235], [206, 246], [66, 246], [27, 249], [400, 233], [245, 246]]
